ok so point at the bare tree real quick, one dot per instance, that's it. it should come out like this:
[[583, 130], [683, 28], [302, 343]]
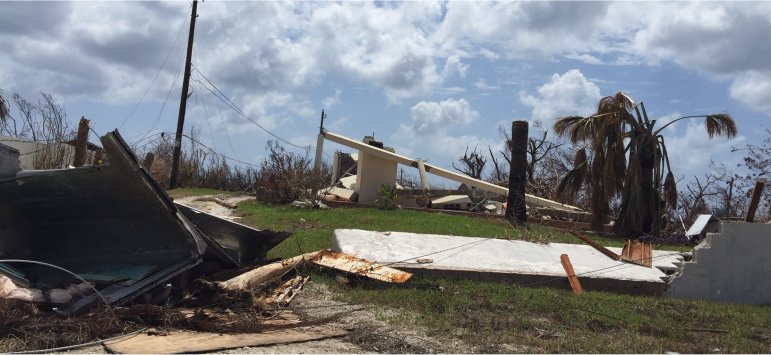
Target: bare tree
[[472, 164]]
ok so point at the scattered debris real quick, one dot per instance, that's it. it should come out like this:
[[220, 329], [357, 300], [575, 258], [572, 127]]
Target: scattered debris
[[196, 342], [704, 223], [358, 266], [243, 243], [126, 251], [266, 273], [637, 252]]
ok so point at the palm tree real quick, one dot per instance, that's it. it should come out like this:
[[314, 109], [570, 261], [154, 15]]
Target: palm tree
[[634, 169], [4, 108]]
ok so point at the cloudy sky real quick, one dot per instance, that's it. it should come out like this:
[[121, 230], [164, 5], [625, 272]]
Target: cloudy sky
[[428, 78]]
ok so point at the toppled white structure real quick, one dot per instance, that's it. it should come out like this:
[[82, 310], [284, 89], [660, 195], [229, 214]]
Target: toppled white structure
[[378, 166], [728, 266], [505, 260]]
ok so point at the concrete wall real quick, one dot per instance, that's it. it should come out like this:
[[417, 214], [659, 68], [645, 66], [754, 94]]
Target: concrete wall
[[730, 266], [9, 161], [372, 171], [30, 152]]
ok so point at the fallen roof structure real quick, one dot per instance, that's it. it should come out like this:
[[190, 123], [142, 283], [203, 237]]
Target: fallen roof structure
[[241, 243], [112, 225], [505, 260], [424, 167]]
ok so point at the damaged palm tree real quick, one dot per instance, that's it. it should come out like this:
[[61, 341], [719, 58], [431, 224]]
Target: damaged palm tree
[[621, 127]]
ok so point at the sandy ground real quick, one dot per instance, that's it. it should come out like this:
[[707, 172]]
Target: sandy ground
[[370, 331], [218, 205]]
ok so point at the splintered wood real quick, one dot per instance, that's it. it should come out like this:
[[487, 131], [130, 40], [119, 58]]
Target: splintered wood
[[176, 342], [637, 252], [362, 267]]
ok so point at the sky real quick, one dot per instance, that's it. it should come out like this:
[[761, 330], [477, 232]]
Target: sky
[[428, 78]]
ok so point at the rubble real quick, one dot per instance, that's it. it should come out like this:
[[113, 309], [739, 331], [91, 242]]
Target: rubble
[[114, 227]]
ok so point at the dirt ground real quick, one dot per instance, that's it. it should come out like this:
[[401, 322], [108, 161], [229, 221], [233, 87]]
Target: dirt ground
[[218, 205]]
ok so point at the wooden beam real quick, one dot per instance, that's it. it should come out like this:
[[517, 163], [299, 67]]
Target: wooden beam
[[574, 283], [755, 200], [595, 245]]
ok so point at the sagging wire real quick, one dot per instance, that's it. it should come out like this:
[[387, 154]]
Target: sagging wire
[[82, 345], [98, 294]]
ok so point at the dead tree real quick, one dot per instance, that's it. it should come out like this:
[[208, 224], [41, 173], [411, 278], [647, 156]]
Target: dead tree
[[471, 164], [516, 211]]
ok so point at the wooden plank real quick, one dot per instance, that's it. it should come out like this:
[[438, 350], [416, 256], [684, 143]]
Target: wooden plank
[[595, 245], [574, 283], [359, 266], [637, 252], [196, 342]]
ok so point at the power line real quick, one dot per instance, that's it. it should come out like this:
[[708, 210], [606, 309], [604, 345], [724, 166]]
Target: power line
[[238, 110], [174, 44], [218, 153], [168, 94]]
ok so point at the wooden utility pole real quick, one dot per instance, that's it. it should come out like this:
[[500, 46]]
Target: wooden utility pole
[[755, 200], [81, 144], [516, 211], [183, 101]]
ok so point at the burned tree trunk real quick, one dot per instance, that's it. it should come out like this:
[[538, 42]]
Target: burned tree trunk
[[516, 211]]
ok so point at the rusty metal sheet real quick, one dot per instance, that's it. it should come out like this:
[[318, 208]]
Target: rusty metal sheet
[[358, 266]]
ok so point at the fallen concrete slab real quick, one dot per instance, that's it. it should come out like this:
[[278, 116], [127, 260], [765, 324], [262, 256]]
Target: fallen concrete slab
[[110, 223], [729, 266], [504, 260]]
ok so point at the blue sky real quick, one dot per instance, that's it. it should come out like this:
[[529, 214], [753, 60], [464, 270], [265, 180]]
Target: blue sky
[[428, 78]]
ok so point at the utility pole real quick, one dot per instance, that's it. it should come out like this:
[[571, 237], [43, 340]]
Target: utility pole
[[183, 101]]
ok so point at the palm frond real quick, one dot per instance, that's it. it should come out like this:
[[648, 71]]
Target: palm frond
[[4, 108], [670, 190], [721, 124], [576, 128]]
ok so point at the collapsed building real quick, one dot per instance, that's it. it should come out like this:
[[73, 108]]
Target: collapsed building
[[112, 226]]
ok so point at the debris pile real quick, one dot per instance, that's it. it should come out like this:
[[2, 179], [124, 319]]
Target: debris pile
[[100, 251]]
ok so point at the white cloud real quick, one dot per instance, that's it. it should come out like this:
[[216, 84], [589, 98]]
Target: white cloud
[[333, 100], [454, 66], [753, 89], [481, 84], [691, 153], [567, 94], [432, 118]]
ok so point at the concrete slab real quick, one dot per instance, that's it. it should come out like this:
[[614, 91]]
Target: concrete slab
[[504, 260]]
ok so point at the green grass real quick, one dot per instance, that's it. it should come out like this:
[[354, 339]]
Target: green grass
[[552, 320], [544, 319], [314, 227], [536, 319]]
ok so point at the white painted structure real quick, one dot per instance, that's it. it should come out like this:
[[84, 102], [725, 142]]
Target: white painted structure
[[422, 167], [30, 151], [498, 258], [729, 266]]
